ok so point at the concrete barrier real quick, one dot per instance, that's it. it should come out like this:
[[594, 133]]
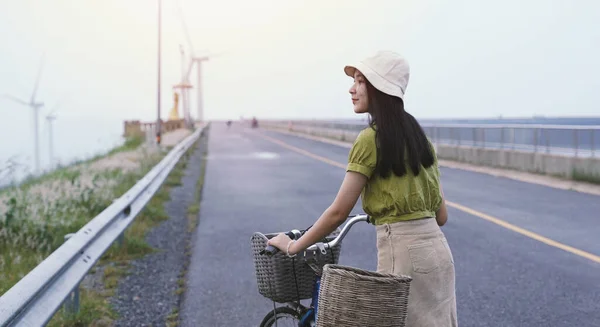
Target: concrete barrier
[[133, 128], [578, 168]]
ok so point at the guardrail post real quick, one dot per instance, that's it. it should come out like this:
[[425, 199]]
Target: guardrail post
[[483, 137], [576, 141], [72, 301], [121, 239], [535, 140], [452, 139], [512, 136], [592, 146], [502, 137], [547, 141]]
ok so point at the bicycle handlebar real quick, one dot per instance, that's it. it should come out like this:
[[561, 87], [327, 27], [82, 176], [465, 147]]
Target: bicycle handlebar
[[296, 234]]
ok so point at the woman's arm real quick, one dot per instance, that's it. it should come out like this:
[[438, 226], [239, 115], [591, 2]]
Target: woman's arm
[[332, 217], [441, 216]]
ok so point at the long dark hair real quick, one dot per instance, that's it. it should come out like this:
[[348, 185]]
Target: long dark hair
[[399, 137]]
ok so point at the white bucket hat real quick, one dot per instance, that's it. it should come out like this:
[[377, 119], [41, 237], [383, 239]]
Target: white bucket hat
[[387, 71]]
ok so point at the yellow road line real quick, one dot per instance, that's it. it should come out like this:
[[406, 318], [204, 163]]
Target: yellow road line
[[460, 207], [525, 232]]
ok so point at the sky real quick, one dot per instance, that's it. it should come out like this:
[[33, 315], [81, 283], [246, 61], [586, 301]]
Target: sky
[[284, 59]]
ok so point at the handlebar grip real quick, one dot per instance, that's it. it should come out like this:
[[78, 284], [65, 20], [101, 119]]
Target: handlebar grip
[[270, 250]]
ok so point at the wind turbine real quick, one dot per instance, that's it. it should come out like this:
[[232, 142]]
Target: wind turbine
[[51, 117], [35, 106], [184, 86], [198, 61]]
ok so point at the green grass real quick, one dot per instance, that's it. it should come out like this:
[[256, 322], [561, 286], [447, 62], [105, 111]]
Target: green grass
[[131, 143], [82, 200], [116, 259], [32, 228], [194, 209], [16, 263], [94, 311], [173, 318], [25, 242]]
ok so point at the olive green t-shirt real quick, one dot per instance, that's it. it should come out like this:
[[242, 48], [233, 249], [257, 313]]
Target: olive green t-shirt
[[394, 198]]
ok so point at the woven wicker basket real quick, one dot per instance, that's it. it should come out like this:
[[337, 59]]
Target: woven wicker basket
[[283, 279], [354, 297]]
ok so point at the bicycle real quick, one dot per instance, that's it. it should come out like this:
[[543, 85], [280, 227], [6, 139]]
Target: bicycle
[[300, 315]]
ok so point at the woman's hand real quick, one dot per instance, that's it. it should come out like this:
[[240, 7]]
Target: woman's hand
[[281, 242]]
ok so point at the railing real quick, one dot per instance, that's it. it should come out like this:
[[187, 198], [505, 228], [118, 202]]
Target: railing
[[352, 126], [35, 299], [569, 140], [137, 128]]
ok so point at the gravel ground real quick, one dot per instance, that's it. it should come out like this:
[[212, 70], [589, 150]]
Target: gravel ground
[[147, 295]]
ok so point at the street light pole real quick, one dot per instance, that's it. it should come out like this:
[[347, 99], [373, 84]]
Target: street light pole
[[158, 127]]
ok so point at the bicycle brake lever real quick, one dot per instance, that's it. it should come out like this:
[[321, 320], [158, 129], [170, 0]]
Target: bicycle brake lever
[[321, 247]]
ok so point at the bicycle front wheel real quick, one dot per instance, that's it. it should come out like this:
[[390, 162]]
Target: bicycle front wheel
[[283, 316]]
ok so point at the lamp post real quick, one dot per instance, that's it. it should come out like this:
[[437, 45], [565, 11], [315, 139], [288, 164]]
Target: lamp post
[[158, 127]]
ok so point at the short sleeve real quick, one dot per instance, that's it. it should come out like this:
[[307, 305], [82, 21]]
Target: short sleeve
[[363, 154]]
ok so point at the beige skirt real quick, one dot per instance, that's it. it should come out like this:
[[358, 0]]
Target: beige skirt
[[419, 249]]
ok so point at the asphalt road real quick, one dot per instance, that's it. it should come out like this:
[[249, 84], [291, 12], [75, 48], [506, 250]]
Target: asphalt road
[[503, 278]]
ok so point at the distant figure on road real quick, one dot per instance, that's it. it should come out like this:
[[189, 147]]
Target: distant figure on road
[[254, 122], [229, 123], [393, 166]]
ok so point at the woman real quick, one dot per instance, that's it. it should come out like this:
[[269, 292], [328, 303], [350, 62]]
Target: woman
[[394, 167]]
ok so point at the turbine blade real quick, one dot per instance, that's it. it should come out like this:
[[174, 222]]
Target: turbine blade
[[16, 99], [37, 80], [185, 29]]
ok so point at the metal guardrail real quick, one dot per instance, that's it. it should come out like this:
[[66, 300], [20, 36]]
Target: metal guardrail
[[569, 140], [35, 299]]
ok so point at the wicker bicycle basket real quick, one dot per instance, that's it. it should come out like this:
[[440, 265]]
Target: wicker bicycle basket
[[284, 279], [350, 297]]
